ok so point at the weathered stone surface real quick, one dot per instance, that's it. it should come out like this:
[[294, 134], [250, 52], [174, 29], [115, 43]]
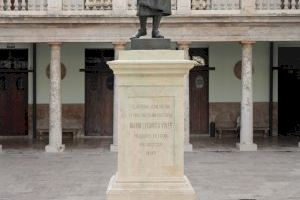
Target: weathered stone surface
[[55, 108], [150, 126], [83, 174], [93, 28], [246, 132]]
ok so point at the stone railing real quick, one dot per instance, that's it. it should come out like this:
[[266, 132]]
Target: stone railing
[[98, 5], [277, 4], [23, 5], [128, 7], [215, 4], [78, 5], [132, 4], [11, 5]]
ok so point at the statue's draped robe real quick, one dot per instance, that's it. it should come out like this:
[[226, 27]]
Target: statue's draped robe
[[154, 7]]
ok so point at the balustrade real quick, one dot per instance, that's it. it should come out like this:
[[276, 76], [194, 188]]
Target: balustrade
[[216, 4], [23, 5], [132, 4], [98, 4], [129, 6], [11, 5], [277, 4]]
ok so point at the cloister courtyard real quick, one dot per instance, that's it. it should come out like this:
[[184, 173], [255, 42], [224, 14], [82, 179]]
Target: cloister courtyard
[[215, 168]]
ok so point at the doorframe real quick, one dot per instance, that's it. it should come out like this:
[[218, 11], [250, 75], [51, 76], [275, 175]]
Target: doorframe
[[208, 92], [31, 84], [106, 46], [275, 84]]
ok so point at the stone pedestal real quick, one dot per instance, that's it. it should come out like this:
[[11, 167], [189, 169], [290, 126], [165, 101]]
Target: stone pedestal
[[150, 126]]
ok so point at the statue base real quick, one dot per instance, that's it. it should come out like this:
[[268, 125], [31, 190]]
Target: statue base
[[150, 44], [182, 190]]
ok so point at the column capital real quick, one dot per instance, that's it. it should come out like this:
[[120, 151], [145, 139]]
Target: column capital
[[119, 45], [55, 44], [183, 44], [247, 42]]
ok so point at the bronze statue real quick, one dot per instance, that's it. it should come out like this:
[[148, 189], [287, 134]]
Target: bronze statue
[[155, 9]]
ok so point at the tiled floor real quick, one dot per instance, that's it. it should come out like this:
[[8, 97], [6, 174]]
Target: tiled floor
[[202, 143], [83, 174]]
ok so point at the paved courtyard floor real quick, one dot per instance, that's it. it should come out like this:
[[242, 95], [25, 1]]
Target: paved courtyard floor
[[84, 170]]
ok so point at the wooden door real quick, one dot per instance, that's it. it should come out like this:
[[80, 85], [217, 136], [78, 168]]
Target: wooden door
[[199, 106], [13, 92], [288, 90], [99, 84]]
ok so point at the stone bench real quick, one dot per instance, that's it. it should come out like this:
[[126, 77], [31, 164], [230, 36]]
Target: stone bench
[[43, 133], [221, 130], [263, 129], [235, 130]]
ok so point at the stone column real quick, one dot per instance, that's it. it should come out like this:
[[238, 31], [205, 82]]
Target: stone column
[[246, 133], [55, 113], [188, 147], [118, 46]]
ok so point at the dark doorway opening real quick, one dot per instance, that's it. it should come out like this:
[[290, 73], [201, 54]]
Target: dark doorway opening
[[199, 92], [99, 90], [13, 92], [288, 90]]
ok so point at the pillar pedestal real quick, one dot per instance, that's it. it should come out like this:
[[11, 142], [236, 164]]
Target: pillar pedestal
[[246, 133], [246, 147], [55, 110], [150, 126]]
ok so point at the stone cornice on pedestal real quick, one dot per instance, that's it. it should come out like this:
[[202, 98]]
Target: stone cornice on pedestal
[[163, 64]]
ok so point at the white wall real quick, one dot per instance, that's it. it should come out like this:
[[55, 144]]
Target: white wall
[[72, 55], [224, 86]]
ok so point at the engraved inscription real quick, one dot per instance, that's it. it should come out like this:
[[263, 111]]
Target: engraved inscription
[[151, 126]]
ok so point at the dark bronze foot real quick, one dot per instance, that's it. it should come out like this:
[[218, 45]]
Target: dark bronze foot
[[156, 34], [139, 34]]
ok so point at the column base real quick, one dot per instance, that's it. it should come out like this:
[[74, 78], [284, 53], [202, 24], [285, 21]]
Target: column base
[[113, 148], [188, 147], [246, 147], [150, 190], [55, 149]]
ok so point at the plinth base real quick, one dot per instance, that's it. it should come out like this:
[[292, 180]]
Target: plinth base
[[150, 190], [246, 147], [150, 44], [55, 149]]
